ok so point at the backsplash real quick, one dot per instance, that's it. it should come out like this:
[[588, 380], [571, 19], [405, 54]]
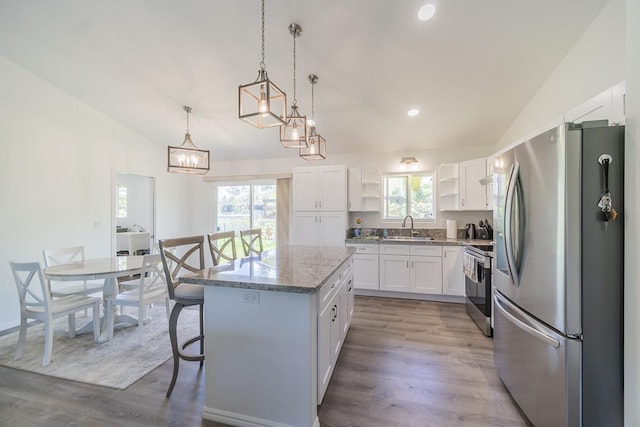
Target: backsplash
[[434, 233]]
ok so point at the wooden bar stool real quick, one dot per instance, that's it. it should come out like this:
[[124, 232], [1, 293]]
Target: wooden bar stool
[[251, 241], [222, 246]]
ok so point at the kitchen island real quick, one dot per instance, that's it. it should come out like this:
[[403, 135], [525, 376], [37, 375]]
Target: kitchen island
[[274, 326]]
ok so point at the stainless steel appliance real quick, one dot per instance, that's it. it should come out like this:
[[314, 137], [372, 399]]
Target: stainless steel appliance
[[477, 284], [559, 275]]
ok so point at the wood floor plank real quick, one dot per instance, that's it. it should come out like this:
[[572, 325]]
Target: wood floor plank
[[404, 363]]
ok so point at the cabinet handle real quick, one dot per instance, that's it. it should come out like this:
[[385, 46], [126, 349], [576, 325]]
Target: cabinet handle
[[462, 201], [320, 203], [411, 264], [315, 218], [407, 263]]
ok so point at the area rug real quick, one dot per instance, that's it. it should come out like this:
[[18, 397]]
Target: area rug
[[117, 363]]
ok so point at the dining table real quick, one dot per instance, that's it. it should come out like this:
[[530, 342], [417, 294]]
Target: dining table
[[107, 269]]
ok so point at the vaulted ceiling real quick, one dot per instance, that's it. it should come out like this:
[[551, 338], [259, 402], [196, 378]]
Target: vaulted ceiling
[[470, 70]]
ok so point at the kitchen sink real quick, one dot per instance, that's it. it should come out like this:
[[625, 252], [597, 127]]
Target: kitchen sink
[[408, 239]]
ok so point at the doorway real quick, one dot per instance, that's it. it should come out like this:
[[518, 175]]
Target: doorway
[[133, 232]]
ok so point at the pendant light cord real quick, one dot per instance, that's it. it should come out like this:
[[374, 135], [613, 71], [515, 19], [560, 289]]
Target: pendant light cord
[[262, 64], [295, 101]]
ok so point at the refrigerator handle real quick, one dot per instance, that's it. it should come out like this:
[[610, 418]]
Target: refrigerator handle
[[508, 223], [522, 325]]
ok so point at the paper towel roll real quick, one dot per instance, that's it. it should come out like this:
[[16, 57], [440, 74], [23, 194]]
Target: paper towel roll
[[452, 229]]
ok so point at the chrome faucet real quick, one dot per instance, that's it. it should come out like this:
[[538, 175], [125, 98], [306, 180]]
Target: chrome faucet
[[404, 223]]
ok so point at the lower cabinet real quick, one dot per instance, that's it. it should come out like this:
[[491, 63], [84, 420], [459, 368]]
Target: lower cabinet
[[405, 268], [336, 306], [452, 275], [365, 266]]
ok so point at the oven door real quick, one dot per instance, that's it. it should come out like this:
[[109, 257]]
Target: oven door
[[477, 282]]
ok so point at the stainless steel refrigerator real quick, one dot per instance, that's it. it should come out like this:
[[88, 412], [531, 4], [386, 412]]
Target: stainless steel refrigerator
[[558, 325]]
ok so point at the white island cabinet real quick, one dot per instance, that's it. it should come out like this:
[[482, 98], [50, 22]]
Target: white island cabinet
[[274, 327]]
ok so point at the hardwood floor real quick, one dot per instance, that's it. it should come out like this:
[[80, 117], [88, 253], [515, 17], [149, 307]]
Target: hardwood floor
[[404, 363]]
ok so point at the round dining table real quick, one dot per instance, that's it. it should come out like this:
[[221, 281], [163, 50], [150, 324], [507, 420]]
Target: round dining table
[[107, 269]]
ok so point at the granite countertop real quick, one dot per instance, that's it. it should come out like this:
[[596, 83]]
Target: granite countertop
[[439, 242], [295, 269]]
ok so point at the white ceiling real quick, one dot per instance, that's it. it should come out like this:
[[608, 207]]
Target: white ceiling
[[471, 69]]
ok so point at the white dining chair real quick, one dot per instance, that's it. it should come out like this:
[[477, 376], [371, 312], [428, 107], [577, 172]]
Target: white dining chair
[[71, 255], [150, 288], [36, 303]]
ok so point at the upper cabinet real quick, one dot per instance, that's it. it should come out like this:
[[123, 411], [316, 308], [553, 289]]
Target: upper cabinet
[[320, 188], [464, 186], [364, 190], [608, 105], [473, 193]]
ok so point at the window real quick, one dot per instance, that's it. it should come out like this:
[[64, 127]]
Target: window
[[247, 206], [121, 211], [409, 194]]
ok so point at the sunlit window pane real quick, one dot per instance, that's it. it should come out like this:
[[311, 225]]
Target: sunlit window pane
[[410, 194], [121, 211]]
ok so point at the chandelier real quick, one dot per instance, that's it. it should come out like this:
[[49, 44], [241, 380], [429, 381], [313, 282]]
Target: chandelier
[[316, 145], [293, 134], [187, 158]]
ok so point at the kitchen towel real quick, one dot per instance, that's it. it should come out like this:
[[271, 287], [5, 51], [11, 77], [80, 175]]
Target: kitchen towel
[[452, 229]]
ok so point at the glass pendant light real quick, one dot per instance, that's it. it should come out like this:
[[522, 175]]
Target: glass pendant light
[[316, 145], [293, 134], [261, 103], [187, 158]]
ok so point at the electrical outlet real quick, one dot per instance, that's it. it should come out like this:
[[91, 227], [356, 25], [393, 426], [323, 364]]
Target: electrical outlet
[[251, 297]]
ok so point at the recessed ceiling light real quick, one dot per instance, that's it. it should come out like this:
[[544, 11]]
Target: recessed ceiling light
[[413, 112], [426, 12]]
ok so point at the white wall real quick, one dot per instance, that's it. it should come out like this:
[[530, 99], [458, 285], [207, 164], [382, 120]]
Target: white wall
[[632, 214], [58, 164], [594, 64], [139, 201]]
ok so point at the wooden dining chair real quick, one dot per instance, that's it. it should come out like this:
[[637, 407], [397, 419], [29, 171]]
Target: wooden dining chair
[[222, 246], [150, 288], [251, 241], [180, 256], [36, 303]]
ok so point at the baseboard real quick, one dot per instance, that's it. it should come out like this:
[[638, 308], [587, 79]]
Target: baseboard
[[231, 418], [11, 327], [408, 295]]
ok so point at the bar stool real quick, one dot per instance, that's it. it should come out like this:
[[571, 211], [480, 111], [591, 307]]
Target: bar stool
[[220, 244], [177, 254], [251, 241]]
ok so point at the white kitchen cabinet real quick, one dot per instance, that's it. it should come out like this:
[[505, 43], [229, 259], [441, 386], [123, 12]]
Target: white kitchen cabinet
[[489, 182], [319, 228], [452, 275], [448, 187], [364, 189], [607, 105], [365, 266], [409, 268], [320, 188], [335, 308], [473, 195]]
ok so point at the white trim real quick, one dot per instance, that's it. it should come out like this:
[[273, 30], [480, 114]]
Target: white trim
[[410, 295], [232, 418], [235, 178]]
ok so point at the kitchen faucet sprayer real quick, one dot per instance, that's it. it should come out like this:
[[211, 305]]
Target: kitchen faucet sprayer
[[404, 223]]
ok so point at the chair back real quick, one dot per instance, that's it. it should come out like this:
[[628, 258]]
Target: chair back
[[222, 246], [33, 293], [152, 275], [72, 255], [251, 241], [179, 256]]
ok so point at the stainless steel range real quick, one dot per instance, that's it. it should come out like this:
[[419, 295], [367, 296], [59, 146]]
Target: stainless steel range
[[477, 284]]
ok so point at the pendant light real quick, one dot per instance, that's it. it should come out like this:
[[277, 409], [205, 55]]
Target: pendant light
[[187, 158], [261, 103], [293, 134], [316, 144]]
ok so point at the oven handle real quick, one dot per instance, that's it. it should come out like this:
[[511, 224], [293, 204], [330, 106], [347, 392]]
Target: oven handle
[[499, 300]]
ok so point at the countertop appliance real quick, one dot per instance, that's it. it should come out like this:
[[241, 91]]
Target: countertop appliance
[[470, 231], [558, 309], [477, 284]]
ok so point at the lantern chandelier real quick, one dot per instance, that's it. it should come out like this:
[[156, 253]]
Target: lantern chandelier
[[261, 103], [316, 145], [187, 158], [293, 134]]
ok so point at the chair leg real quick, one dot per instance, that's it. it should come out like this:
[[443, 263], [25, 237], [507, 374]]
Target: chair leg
[[96, 321], [173, 337], [141, 314], [201, 310], [167, 304], [48, 341], [110, 319], [72, 325], [22, 337]]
